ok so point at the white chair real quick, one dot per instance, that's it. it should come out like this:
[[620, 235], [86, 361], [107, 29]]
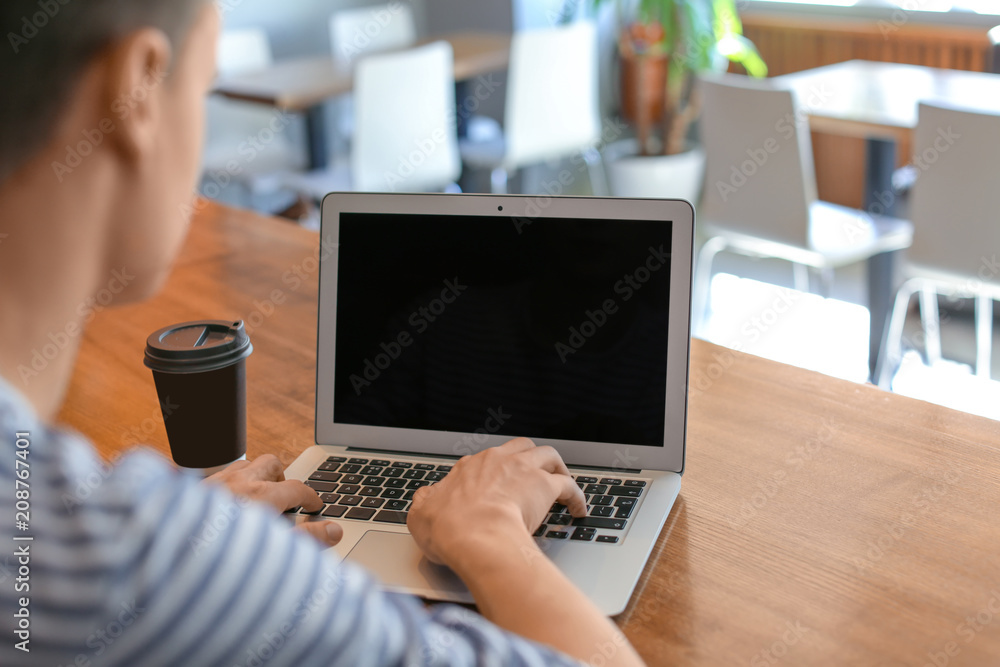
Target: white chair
[[405, 139], [230, 122], [552, 107], [956, 213], [759, 196], [373, 29]]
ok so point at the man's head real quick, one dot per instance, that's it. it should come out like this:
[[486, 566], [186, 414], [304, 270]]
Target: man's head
[[103, 101]]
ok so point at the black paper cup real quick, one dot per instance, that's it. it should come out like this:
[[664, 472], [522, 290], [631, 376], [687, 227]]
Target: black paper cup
[[200, 374]]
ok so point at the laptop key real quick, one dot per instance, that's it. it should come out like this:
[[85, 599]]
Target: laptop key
[[435, 476], [371, 480], [336, 511], [597, 489], [559, 520], [540, 531], [610, 481], [350, 501], [587, 480], [349, 489], [408, 495], [370, 491], [389, 516], [320, 476], [372, 502], [423, 466], [625, 502], [361, 461], [351, 479], [335, 459], [392, 493], [602, 500], [611, 539], [583, 534], [624, 512], [557, 534], [350, 467], [313, 513], [362, 513], [378, 462], [417, 483], [598, 522], [330, 467], [402, 464], [414, 474], [445, 469], [395, 483], [396, 504], [371, 470], [630, 491], [321, 487], [605, 510], [635, 482], [392, 472], [557, 508], [330, 498]]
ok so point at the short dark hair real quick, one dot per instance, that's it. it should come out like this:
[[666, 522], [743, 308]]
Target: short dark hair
[[48, 43]]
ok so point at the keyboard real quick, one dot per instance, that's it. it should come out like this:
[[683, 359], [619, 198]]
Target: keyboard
[[380, 491]]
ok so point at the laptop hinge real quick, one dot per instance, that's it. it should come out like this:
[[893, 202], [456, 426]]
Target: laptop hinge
[[393, 452]]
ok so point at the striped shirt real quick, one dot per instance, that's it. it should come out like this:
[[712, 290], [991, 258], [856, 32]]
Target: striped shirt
[[136, 564]]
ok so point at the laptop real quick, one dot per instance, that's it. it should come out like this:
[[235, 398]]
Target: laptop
[[453, 323]]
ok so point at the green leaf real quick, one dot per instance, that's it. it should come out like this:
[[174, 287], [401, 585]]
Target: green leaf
[[739, 49]]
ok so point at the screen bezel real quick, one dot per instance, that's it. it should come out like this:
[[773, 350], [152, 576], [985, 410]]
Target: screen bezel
[[527, 207]]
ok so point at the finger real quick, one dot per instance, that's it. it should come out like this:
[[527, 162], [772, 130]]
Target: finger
[[327, 532], [266, 467], [517, 445], [570, 495], [293, 493], [225, 473], [546, 458]]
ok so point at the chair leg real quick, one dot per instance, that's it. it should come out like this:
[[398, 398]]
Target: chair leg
[[701, 301], [598, 175], [891, 355], [800, 277], [931, 323], [498, 181], [825, 282], [984, 335]]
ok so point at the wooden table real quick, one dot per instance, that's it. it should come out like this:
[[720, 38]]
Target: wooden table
[[303, 84], [820, 522], [878, 102]]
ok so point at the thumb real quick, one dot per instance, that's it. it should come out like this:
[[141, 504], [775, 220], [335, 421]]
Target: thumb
[[327, 532]]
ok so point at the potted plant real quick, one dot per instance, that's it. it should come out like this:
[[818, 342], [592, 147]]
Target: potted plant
[[663, 45]]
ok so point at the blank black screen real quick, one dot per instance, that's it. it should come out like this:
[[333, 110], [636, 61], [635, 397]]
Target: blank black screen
[[551, 328]]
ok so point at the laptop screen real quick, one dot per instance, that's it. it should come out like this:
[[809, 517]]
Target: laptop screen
[[546, 328]]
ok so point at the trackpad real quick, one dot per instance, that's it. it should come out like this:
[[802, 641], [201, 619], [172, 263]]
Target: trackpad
[[398, 562]]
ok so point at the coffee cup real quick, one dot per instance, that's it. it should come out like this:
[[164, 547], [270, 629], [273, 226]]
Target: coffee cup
[[200, 373]]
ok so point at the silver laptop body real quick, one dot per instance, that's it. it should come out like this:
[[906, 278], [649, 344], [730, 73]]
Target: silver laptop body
[[452, 323]]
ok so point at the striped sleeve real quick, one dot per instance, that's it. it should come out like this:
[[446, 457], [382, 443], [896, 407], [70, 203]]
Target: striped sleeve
[[137, 564]]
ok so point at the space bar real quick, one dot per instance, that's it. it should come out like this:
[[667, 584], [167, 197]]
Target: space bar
[[598, 522], [390, 516]]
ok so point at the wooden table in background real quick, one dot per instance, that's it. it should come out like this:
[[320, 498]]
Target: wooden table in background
[[820, 522], [304, 84]]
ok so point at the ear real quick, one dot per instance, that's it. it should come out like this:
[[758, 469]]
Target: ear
[[135, 95]]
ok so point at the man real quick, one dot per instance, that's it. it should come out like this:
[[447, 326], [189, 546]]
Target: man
[[100, 130]]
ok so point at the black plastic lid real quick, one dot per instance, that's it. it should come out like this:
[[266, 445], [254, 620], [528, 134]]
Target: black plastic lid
[[196, 347]]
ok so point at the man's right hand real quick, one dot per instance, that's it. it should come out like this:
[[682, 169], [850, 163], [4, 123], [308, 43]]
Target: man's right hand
[[500, 494]]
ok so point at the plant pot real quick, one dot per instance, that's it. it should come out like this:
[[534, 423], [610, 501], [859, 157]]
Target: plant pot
[[662, 176]]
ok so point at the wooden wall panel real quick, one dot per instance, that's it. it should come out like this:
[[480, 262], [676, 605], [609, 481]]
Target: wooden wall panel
[[794, 44]]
